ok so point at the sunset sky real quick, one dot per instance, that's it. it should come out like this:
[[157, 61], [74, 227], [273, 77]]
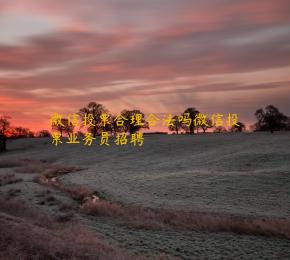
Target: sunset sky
[[160, 56]]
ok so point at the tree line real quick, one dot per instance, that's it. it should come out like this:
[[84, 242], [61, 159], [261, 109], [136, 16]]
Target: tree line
[[268, 119]]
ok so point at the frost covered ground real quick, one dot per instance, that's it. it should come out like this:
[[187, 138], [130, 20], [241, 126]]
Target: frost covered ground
[[238, 174]]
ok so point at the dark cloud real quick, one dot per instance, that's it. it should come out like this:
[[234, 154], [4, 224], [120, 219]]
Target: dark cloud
[[54, 48]]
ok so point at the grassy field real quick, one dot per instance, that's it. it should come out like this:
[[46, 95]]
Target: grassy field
[[190, 197]]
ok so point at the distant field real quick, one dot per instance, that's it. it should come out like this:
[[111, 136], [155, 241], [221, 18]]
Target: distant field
[[238, 174]]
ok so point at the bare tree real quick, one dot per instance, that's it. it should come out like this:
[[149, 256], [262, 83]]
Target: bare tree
[[220, 129], [287, 127], [191, 112], [95, 111], [133, 126], [63, 127], [4, 131], [239, 127], [43, 133], [176, 125], [270, 119], [206, 126], [21, 132]]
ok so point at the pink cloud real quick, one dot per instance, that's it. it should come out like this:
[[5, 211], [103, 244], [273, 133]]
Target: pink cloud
[[153, 44]]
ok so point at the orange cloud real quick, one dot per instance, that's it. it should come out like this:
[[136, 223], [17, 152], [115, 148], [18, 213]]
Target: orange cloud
[[161, 56]]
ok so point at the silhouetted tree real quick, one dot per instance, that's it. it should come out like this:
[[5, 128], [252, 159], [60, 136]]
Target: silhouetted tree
[[115, 128], [287, 127], [220, 129], [239, 127], [80, 134], [43, 133], [270, 119], [109, 126], [64, 127], [176, 125], [207, 126], [191, 112], [130, 126], [4, 131], [21, 132], [96, 110]]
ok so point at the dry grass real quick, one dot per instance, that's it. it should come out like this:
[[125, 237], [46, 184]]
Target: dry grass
[[77, 192], [145, 218], [66, 217], [48, 172], [31, 167], [7, 163], [11, 193], [19, 208], [66, 206], [26, 234], [44, 168], [57, 170], [9, 179]]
